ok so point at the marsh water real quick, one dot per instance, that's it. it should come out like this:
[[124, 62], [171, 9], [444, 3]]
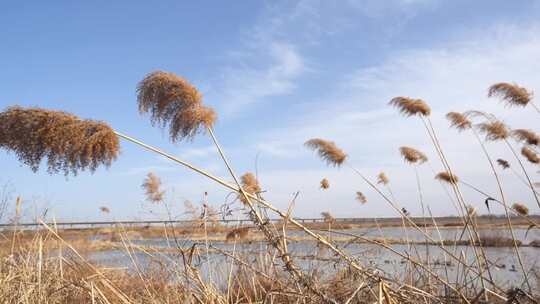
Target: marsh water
[[391, 261]]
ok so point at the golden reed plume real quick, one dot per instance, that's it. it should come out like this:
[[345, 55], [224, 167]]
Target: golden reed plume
[[410, 107], [503, 163], [250, 184], [327, 217], [459, 121], [152, 188], [494, 130], [530, 155], [521, 209], [360, 197], [104, 209], [325, 184], [327, 150], [527, 136], [382, 179], [173, 101], [447, 177], [236, 234], [511, 94], [69, 144], [413, 156]]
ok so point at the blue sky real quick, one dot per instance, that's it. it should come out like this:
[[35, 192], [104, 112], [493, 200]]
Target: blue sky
[[277, 73]]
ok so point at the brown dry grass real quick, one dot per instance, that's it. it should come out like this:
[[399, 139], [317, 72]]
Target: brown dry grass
[[530, 155], [527, 136], [503, 163], [250, 184], [520, 208], [69, 144], [511, 94], [152, 187], [172, 100], [382, 179], [494, 130], [459, 121], [325, 184], [361, 198], [412, 155], [327, 151], [447, 177], [410, 106]]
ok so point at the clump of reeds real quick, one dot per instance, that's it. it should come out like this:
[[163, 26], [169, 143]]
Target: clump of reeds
[[520, 208], [511, 94], [236, 234], [172, 100], [382, 179], [325, 184], [104, 209], [503, 163], [68, 143], [412, 155], [447, 177], [530, 155], [410, 106], [250, 184], [152, 188], [459, 121], [360, 197], [327, 150], [527, 136], [494, 130], [328, 217]]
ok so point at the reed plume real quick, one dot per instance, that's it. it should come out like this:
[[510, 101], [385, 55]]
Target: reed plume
[[69, 144], [447, 177], [152, 188], [503, 163], [360, 197], [471, 211], [410, 107], [327, 217], [250, 184], [521, 209], [104, 209], [325, 184], [511, 94], [413, 156], [327, 150], [527, 136], [240, 233], [171, 100], [382, 179], [459, 121], [530, 155], [494, 130]]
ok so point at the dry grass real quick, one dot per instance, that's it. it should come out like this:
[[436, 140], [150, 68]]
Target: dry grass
[[325, 184], [250, 184], [382, 179], [494, 130], [447, 177], [459, 121], [511, 94], [410, 106], [328, 151], [152, 187], [530, 155], [521, 209], [172, 100], [69, 144], [503, 163], [527, 136], [361, 198], [413, 156]]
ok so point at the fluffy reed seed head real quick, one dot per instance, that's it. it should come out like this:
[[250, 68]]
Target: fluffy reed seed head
[[382, 179], [413, 156], [69, 144], [250, 184], [530, 155], [328, 151], [521, 209], [459, 121], [494, 130], [503, 163], [410, 106], [447, 177], [240, 233], [104, 209], [327, 217], [527, 136], [325, 184], [171, 100], [511, 94], [361, 198], [152, 187]]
